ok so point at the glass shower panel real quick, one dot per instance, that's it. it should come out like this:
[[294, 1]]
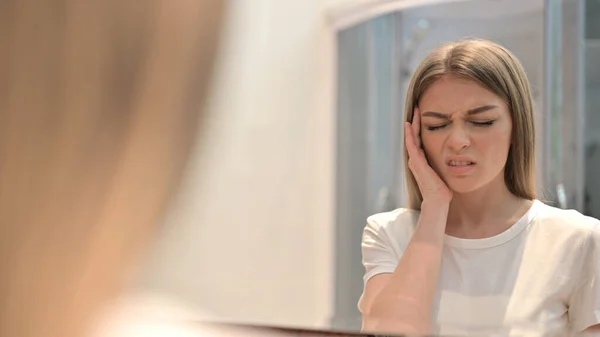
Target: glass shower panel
[[592, 107], [383, 116], [565, 104], [367, 138]]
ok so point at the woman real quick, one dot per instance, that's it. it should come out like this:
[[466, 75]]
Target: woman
[[476, 253]]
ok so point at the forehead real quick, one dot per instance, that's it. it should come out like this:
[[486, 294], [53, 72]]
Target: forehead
[[451, 95]]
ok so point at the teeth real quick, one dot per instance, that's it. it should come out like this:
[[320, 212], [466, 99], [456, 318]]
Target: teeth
[[460, 163]]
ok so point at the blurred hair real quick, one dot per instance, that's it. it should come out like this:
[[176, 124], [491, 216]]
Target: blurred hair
[[99, 104], [498, 70]]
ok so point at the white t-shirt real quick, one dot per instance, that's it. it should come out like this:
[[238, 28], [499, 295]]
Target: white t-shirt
[[541, 277]]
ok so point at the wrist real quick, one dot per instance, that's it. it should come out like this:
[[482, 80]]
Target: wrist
[[432, 221], [439, 205]]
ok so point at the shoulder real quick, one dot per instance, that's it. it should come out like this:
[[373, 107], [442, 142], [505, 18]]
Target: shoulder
[[567, 218], [397, 224], [567, 223], [400, 217]]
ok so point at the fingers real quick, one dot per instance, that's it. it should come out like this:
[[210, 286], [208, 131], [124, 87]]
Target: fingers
[[430, 183], [409, 139], [412, 133], [416, 126], [413, 143], [413, 152]]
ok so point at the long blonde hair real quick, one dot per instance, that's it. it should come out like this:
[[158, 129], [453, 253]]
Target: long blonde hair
[[498, 70], [99, 105]]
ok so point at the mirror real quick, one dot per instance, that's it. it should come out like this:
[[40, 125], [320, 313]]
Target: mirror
[[376, 58]]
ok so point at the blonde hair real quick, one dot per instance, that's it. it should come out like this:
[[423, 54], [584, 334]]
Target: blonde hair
[[99, 105], [498, 70]]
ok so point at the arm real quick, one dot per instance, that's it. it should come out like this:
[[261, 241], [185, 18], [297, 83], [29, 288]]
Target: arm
[[402, 302]]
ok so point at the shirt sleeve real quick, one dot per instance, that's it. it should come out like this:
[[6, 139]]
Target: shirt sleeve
[[377, 252], [584, 309], [384, 240]]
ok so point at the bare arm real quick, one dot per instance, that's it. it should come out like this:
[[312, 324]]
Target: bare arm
[[402, 302]]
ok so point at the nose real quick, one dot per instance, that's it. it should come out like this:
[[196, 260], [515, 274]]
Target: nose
[[458, 139]]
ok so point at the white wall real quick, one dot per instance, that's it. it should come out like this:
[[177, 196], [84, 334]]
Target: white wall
[[250, 236]]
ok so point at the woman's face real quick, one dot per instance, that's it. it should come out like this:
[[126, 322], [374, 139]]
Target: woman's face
[[466, 133]]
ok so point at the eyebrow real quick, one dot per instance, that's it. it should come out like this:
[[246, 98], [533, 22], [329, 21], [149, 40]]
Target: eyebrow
[[470, 112]]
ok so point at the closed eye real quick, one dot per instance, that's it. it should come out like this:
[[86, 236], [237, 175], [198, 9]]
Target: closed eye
[[486, 123], [479, 124], [436, 127]]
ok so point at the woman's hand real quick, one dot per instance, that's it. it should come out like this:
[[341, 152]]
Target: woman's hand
[[432, 187]]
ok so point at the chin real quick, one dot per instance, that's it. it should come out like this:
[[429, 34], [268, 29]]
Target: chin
[[463, 186]]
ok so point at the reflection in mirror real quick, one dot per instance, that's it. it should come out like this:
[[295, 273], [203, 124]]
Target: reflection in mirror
[[370, 148], [376, 59]]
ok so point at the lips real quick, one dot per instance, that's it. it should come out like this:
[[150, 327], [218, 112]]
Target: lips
[[460, 166], [460, 163]]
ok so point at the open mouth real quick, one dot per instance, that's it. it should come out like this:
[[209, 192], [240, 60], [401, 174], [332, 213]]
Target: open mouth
[[460, 163]]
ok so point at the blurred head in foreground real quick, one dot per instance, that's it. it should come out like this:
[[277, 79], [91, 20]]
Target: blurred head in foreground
[[100, 101]]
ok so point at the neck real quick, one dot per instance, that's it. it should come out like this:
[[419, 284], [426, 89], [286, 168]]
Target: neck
[[485, 212]]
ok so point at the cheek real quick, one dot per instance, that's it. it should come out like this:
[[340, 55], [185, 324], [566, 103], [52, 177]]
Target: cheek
[[432, 141], [495, 145], [432, 145]]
